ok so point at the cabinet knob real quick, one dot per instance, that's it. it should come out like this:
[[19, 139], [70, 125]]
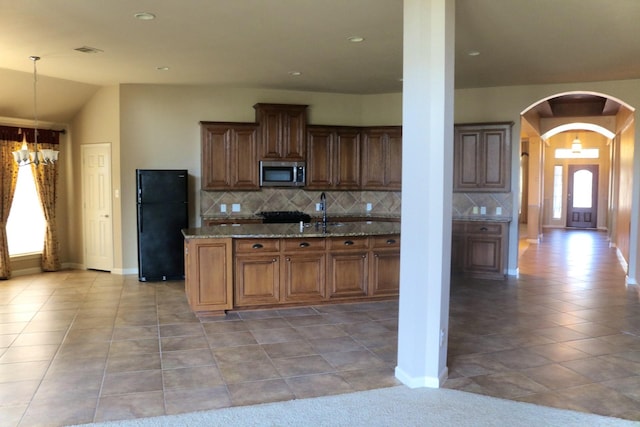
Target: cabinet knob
[[257, 246], [304, 245], [391, 241], [348, 243], [483, 228], [274, 260]]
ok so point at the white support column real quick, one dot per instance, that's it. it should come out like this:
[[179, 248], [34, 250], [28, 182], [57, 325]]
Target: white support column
[[427, 164]]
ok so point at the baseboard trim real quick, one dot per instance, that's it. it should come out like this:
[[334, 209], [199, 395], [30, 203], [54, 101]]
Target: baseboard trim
[[420, 382]]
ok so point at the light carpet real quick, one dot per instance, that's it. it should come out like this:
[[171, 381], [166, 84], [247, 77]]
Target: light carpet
[[394, 406]]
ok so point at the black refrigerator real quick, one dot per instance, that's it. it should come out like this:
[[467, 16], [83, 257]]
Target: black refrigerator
[[163, 211]]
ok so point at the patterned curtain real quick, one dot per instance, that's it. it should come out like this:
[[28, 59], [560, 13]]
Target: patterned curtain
[[46, 177], [8, 179]]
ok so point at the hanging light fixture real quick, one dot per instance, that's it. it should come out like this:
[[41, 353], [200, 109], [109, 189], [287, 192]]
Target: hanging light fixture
[[576, 145], [44, 156]]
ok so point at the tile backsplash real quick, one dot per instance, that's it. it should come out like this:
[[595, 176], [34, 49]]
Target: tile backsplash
[[384, 203], [463, 204]]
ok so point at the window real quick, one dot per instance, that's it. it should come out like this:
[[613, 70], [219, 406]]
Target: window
[[557, 192], [26, 224]]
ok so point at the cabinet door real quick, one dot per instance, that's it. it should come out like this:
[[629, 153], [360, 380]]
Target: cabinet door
[[382, 159], [385, 266], [485, 245], [467, 160], [257, 280], [244, 148], [319, 163], [482, 158], [497, 158], [347, 268], [209, 275], [483, 254], [229, 156], [215, 157], [282, 131], [347, 159], [257, 272], [304, 277]]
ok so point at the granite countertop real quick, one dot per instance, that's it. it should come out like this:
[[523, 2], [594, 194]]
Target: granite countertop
[[340, 229], [483, 218], [314, 216]]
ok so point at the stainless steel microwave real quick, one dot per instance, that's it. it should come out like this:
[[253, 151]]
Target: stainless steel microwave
[[282, 174]]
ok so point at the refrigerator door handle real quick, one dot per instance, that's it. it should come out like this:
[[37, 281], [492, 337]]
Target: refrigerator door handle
[[141, 223]]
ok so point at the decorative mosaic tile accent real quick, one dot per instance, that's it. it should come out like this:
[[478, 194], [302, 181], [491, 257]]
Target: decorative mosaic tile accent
[[279, 199]]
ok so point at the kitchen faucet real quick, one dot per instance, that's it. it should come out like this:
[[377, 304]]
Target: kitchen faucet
[[323, 203]]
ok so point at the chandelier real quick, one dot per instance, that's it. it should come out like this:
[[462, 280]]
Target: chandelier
[[36, 157]]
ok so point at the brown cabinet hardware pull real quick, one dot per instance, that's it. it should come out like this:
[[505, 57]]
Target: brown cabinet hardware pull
[[391, 241], [274, 260], [483, 229], [304, 245], [257, 246], [348, 243]]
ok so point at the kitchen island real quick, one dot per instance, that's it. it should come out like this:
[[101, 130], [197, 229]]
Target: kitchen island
[[245, 266]]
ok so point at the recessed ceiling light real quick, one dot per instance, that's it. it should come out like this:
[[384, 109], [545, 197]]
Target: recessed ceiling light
[[355, 39], [162, 68], [295, 73], [144, 16], [473, 53]]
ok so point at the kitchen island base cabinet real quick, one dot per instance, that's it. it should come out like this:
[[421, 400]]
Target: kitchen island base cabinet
[[209, 275], [348, 265], [250, 273], [385, 266]]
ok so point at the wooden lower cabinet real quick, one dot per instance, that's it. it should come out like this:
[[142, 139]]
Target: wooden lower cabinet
[[348, 267], [257, 272], [385, 266], [303, 270], [479, 248], [209, 275], [222, 274], [271, 272]]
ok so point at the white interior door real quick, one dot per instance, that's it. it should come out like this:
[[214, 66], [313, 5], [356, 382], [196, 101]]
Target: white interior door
[[96, 194]]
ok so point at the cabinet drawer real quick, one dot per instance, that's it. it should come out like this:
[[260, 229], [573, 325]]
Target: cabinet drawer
[[348, 243], [484, 228], [380, 242], [303, 244], [256, 245]]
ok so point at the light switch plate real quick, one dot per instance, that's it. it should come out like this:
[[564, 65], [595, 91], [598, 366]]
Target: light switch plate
[[235, 207]]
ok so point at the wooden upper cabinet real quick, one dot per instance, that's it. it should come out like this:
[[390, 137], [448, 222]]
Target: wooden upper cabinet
[[482, 157], [229, 156], [333, 158], [282, 130], [382, 158]]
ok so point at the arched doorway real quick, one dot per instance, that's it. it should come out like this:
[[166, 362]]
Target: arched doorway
[[574, 123]]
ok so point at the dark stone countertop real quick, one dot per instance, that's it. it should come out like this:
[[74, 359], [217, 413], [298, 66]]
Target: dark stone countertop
[[483, 218], [340, 229]]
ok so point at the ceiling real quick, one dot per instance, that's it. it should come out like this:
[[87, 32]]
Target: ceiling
[[258, 43]]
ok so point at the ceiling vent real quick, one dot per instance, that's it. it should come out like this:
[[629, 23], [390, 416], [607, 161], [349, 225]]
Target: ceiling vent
[[87, 49]]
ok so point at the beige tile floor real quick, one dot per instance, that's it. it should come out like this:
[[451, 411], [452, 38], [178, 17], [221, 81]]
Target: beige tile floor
[[82, 346]]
